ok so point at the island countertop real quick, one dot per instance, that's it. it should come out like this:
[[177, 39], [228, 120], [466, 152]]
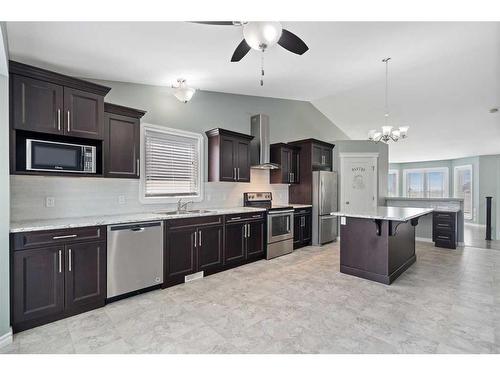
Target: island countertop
[[386, 213]]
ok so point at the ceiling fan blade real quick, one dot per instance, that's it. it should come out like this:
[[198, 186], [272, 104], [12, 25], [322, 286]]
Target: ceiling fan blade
[[292, 43], [217, 23], [240, 51]]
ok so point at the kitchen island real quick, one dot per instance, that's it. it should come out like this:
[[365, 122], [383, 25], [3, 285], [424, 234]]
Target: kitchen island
[[378, 245]]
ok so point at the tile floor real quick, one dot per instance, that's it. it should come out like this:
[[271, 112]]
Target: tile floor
[[448, 302]]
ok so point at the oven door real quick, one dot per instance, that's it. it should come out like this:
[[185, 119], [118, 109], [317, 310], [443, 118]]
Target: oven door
[[279, 225], [54, 156]]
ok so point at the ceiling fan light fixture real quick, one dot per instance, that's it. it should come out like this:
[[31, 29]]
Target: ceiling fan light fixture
[[183, 92], [262, 35]]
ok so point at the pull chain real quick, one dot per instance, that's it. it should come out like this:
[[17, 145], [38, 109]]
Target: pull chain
[[262, 69]]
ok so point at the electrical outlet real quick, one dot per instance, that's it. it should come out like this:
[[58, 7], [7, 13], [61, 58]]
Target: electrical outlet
[[121, 199], [50, 201]]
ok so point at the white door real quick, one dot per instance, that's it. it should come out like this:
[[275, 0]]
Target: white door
[[358, 182]]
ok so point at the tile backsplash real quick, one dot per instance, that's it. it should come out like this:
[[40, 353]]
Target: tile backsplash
[[82, 196]]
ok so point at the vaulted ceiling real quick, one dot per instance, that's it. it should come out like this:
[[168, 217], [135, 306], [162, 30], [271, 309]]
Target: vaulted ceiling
[[444, 77]]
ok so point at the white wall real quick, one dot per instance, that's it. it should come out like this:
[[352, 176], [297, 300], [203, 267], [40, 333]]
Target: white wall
[[4, 185]]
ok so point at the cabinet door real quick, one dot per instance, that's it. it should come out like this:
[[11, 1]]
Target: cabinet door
[[243, 157], [327, 157], [210, 248], [286, 158], [121, 146], [83, 114], [234, 248], [294, 167], [85, 275], [307, 229], [227, 159], [36, 105], [38, 283], [317, 155], [180, 255], [297, 230], [256, 244]]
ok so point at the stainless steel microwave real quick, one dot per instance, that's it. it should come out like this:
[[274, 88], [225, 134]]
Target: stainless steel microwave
[[59, 157]]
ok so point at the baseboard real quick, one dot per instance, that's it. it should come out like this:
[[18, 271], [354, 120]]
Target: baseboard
[[6, 339], [423, 239]]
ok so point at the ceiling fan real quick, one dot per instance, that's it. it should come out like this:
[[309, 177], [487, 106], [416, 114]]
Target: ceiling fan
[[260, 36]]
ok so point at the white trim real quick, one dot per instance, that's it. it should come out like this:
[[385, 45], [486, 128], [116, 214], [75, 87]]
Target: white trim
[[368, 155], [6, 338], [396, 172], [455, 175], [359, 154], [159, 200], [424, 171]]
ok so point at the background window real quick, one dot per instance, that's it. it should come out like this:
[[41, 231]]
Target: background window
[[426, 183], [463, 188], [393, 183], [171, 164]]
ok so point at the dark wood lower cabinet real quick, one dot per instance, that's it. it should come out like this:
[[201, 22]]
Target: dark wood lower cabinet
[[234, 250], [302, 228], [245, 241], [57, 280], [256, 241], [38, 284], [85, 281], [210, 248], [180, 255]]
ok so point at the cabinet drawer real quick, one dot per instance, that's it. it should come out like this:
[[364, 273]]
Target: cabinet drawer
[[193, 222], [443, 216], [302, 211], [234, 218], [29, 240], [444, 225]]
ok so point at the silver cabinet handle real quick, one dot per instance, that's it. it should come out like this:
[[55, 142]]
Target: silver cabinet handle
[[244, 233], [195, 238], [238, 173], [236, 218], [248, 226], [138, 166], [256, 216], [69, 128], [61, 237], [69, 260], [199, 239], [292, 177], [60, 261], [288, 223], [59, 119], [234, 176]]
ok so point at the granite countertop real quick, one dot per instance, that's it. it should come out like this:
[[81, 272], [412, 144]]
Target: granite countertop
[[298, 205], [425, 199], [387, 213], [88, 221]]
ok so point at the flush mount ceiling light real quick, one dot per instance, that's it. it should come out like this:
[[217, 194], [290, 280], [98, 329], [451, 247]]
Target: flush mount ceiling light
[[182, 91], [388, 132]]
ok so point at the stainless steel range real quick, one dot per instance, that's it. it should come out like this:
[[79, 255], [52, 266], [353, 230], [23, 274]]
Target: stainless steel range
[[279, 223]]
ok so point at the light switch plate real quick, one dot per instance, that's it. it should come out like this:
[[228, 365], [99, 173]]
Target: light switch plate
[[121, 199], [50, 201], [343, 220]]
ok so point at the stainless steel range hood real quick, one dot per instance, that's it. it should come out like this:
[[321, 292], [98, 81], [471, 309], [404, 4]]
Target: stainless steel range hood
[[259, 147]]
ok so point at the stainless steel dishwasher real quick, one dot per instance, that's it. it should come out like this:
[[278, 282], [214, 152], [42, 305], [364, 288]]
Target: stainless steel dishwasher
[[135, 257]]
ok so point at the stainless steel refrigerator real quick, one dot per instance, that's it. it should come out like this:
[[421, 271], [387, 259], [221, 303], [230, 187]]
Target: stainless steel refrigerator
[[324, 225]]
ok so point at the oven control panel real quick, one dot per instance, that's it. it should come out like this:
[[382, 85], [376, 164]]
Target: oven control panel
[[267, 196]]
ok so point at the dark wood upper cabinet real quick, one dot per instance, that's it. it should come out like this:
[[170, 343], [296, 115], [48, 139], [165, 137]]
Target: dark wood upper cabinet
[[228, 156], [36, 105], [85, 281], [288, 159], [48, 102], [83, 114], [314, 155], [37, 283], [121, 141]]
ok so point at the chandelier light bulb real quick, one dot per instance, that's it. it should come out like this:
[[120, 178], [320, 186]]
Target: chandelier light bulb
[[183, 92], [386, 130]]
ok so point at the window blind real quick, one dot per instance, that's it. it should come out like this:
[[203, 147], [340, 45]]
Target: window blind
[[171, 164]]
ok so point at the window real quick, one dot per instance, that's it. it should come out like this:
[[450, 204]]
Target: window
[[171, 164], [426, 183], [463, 187], [393, 183]]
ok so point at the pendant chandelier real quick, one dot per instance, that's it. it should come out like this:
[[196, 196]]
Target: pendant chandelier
[[388, 132]]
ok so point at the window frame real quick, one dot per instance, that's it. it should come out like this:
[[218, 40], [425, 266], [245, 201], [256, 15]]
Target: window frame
[[455, 180], [424, 171], [201, 162], [396, 172]]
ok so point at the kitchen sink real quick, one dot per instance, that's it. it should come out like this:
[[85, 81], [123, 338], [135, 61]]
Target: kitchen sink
[[184, 212]]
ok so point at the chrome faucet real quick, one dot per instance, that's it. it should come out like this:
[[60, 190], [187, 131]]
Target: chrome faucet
[[182, 206]]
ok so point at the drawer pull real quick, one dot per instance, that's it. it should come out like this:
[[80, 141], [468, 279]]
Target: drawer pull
[[444, 237], [236, 218], [257, 216], [443, 225], [61, 237]]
